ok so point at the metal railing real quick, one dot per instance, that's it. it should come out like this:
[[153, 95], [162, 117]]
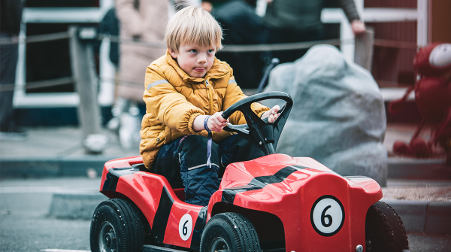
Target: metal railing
[[363, 54]]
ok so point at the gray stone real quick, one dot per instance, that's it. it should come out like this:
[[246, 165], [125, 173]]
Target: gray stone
[[338, 116]]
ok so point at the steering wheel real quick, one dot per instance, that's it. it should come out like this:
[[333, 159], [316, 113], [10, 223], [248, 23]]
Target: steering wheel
[[259, 131]]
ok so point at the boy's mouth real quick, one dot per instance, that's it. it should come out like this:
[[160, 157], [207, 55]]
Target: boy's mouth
[[199, 69]]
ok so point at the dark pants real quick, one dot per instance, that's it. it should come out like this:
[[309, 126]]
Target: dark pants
[[281, 36], [184, 163], [8, 61], [242, 23]]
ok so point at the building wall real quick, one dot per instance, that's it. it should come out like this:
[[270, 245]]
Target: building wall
[[440, 21], [392, 66]]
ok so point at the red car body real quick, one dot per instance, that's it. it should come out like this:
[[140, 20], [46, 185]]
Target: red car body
[[294, 203]]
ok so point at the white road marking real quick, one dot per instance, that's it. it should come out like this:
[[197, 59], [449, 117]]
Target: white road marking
[[47, 189], [64, 250]]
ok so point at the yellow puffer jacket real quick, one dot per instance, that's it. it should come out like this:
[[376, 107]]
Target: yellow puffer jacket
[[174, 99]]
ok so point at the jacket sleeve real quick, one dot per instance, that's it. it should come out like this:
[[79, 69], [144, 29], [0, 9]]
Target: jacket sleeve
[[349, 9], [129, 16], [167, 105], [235, 94]]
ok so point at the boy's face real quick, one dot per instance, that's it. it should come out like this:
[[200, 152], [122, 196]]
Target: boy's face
[[195, 60]]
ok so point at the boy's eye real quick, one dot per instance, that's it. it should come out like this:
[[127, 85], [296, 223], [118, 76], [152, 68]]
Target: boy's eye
[[211, 51], [193, 51]]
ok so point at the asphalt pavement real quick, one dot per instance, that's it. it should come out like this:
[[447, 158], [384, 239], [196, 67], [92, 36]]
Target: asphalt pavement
[[29, 221]]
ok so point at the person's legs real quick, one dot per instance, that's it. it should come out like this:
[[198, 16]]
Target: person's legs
[[241, 20], [199, 179], [8, 61], [184, 163], [167, 165], [242, 26], [237, 149], [126, 122], [281, 36]]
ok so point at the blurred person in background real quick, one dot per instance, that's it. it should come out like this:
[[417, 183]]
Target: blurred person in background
[[300, 20], [242, 26], [11, 15], [145, 21], [285, 21], [140, 20], [110, 26]]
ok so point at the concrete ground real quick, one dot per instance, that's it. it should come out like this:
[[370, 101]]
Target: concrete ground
[[420, 190], [60, 142]]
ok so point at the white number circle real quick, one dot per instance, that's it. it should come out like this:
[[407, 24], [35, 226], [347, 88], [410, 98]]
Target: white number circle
[[185, 227], [327, 215]]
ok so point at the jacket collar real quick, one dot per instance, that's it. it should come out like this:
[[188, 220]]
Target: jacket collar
[[216, 71]]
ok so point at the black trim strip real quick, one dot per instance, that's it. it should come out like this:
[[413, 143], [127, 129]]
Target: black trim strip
[[161, 218], [112, 177], [228, 195], [278, 177], [199, 228]]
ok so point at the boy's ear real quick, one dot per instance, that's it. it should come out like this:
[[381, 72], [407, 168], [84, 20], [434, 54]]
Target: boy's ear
[[173, 54]]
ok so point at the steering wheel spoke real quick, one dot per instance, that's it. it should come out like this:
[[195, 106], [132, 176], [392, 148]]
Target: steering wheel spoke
[[243, 128]]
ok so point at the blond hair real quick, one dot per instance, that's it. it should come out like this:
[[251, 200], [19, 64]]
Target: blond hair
[[192, 25]]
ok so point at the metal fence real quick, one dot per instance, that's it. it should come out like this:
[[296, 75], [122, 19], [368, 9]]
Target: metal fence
[[363, 53]]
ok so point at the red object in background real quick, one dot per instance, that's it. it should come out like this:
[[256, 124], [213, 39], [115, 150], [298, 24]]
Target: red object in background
[[433, 98]]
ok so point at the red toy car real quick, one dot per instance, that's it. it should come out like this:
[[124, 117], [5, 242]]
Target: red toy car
[[272, 203]]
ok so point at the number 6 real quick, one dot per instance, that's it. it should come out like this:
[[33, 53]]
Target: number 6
[[326, 216]]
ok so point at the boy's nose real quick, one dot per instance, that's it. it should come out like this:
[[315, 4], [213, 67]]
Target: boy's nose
[[202, 58]]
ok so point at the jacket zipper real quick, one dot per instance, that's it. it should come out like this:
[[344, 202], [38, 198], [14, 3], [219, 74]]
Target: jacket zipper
[[210, 103]]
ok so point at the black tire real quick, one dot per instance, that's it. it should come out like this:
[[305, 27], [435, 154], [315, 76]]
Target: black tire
[[230, 232], [384, 230], [116, 226]]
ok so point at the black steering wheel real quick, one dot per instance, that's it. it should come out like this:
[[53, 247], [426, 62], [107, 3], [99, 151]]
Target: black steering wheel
[[260, 132]]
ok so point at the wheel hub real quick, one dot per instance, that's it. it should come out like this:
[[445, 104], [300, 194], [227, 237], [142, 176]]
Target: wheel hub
[[107, 238], [219, 245]]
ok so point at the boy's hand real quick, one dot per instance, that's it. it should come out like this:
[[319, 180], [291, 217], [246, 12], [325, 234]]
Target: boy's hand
[[272, 114], [216, 122]]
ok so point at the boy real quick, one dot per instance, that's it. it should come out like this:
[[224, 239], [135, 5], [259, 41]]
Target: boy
[[186, 91]]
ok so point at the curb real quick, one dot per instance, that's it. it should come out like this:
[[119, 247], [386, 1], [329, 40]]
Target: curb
[[51, 166], [77, 205], [424, 217], [403, 168]]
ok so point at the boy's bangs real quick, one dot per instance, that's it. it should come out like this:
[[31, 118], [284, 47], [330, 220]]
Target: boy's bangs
[[203, 37], [193, 25]]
